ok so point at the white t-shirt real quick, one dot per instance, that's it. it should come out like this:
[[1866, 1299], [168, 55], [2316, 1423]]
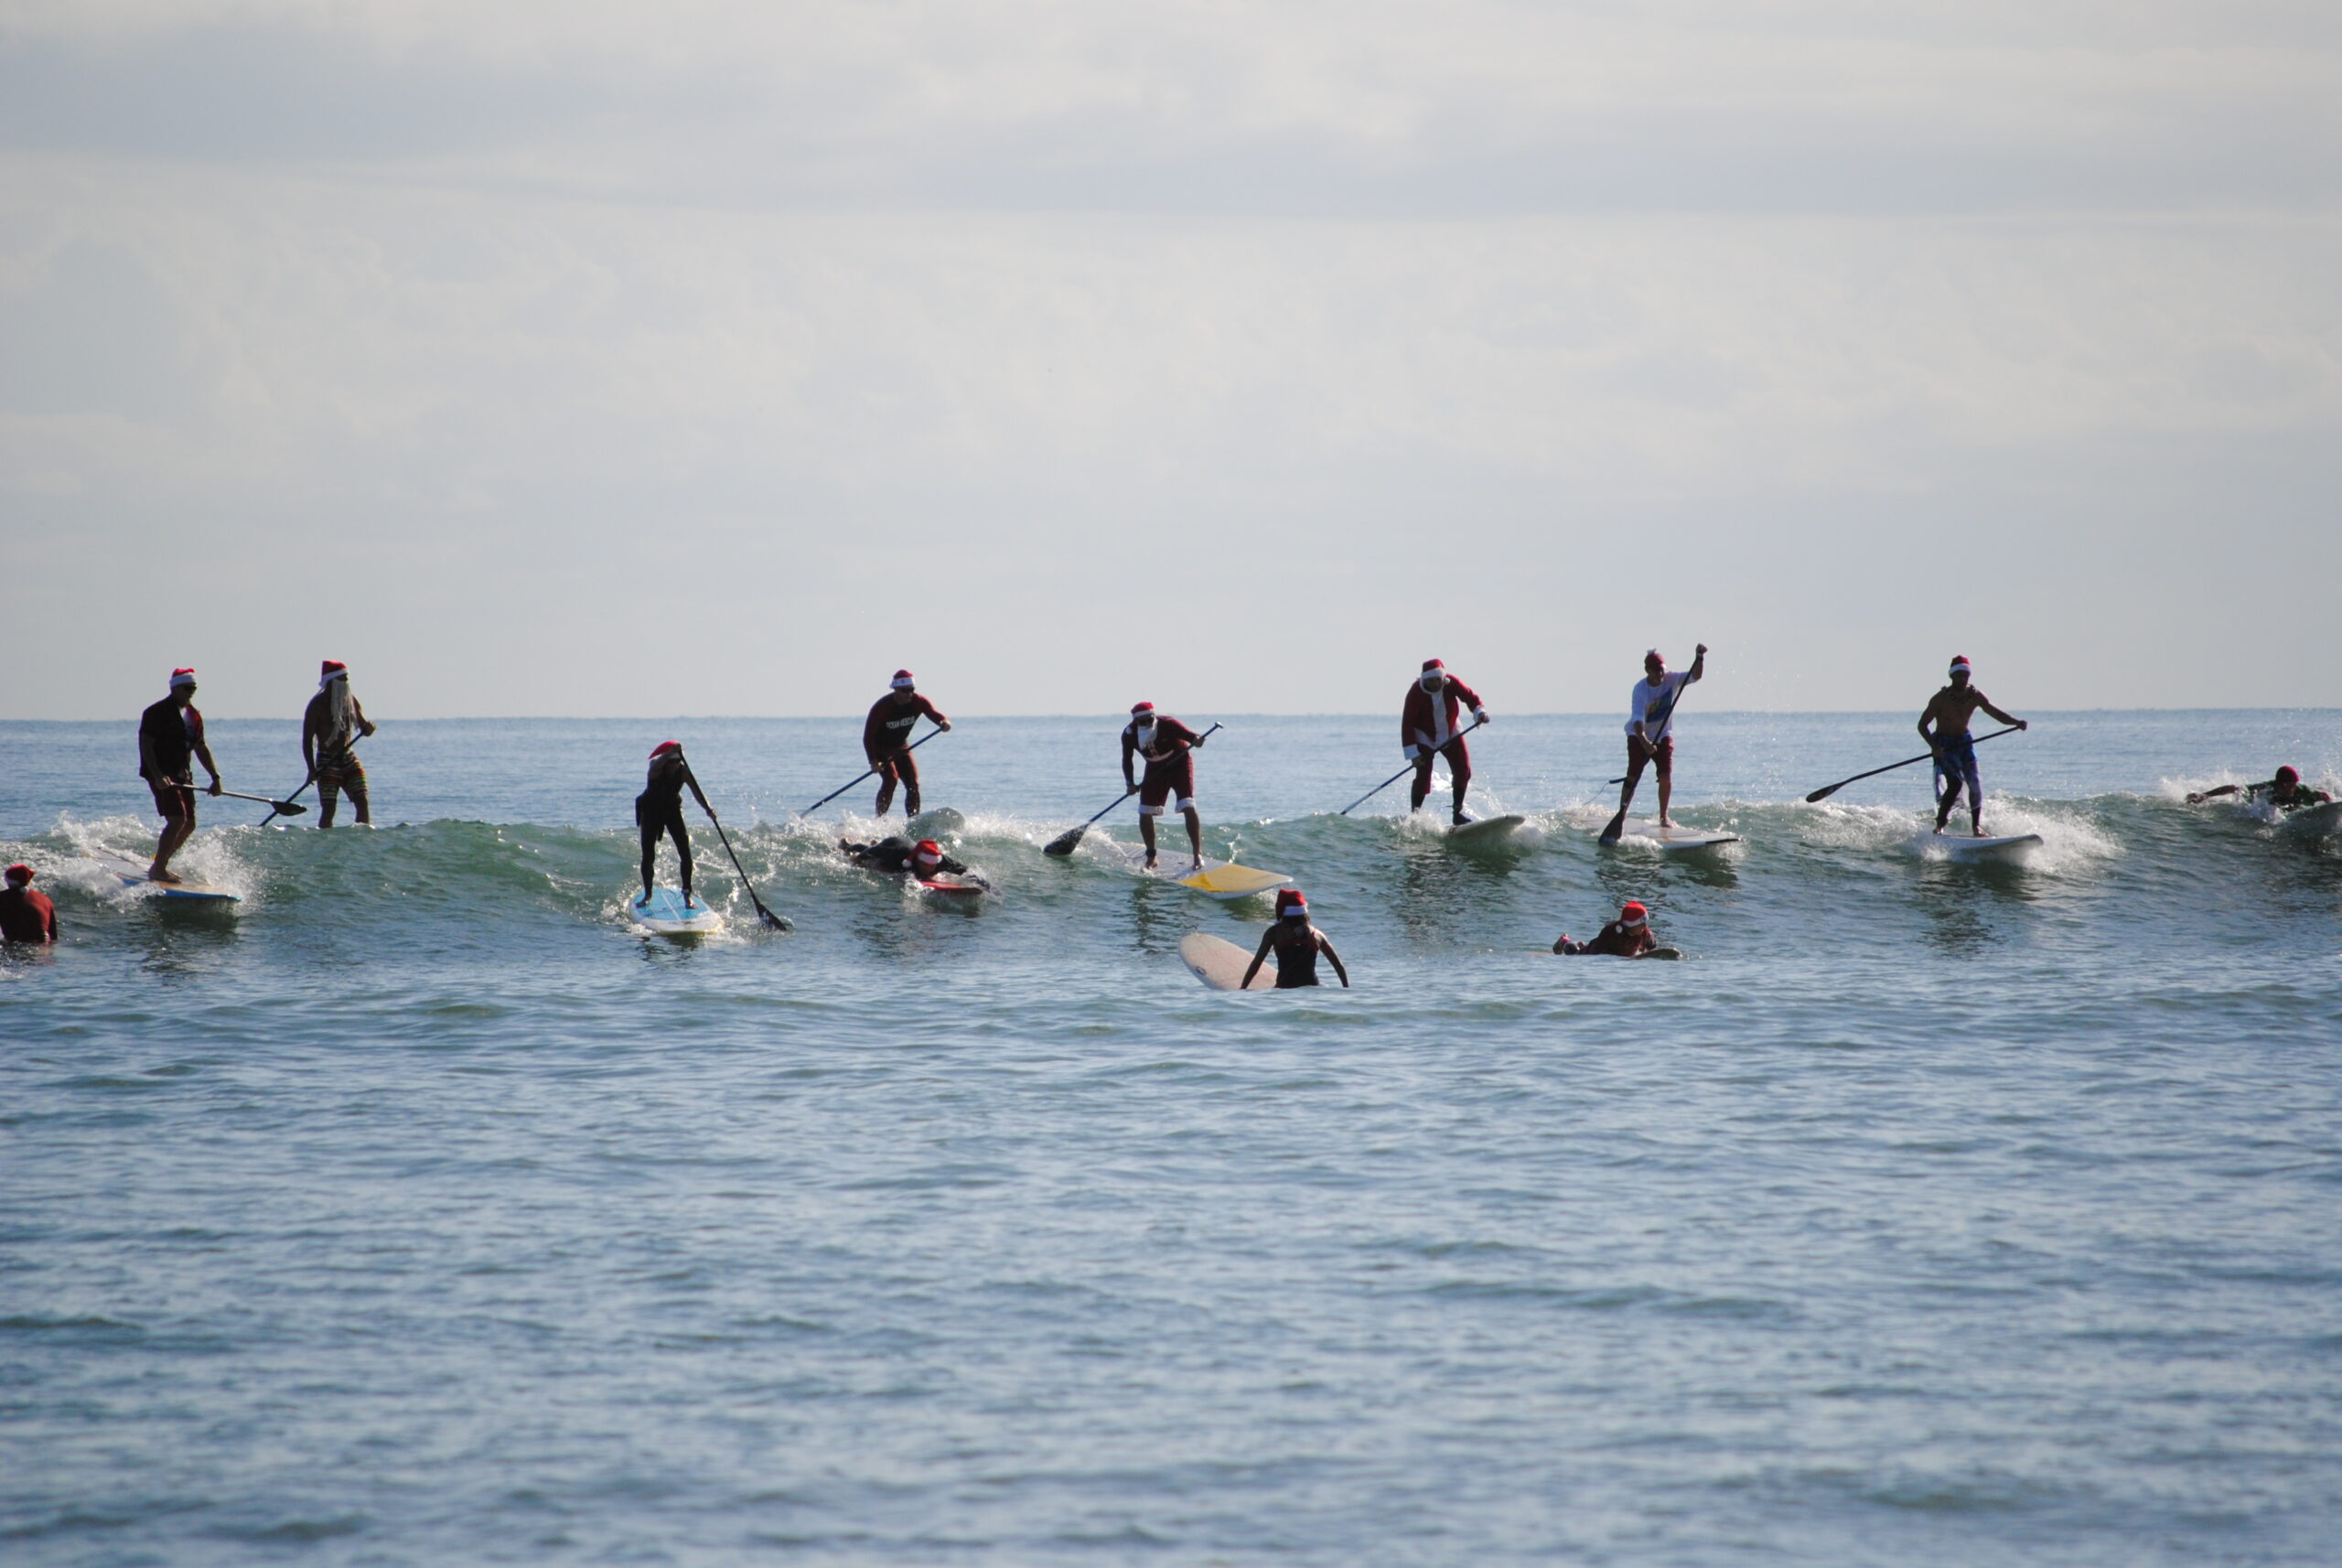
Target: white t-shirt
[[1649, 699]]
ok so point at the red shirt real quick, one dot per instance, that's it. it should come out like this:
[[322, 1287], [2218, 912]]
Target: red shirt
[[1416, 726], [26, 916], [888, 730], [1171, 738]]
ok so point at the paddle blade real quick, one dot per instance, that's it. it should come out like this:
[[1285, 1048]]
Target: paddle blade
[[1823, 793], [287, 808], [1065, 843], [1618, 826], [773, 921]]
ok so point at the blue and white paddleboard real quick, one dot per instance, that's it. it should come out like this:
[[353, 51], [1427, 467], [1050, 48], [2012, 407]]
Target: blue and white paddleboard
[[665, 914], [132, 873]]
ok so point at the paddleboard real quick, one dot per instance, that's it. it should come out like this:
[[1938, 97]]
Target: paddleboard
[[665, 914], [2314, 822], [952, 891], [132, 873], [934, 824], [1217, 879], [1221, 964], [2011, 847], [1673, 839], [1487, 830]]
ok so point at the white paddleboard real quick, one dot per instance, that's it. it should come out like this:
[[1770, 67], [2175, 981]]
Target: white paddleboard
[[1221, 964], [1673, 839], [2011, 847], [665, 914], [132, 873], [1487, 830]]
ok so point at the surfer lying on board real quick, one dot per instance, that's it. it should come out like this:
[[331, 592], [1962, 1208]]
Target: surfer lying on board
[[660, 809], [1429, 728], [1950, 710], [169, 733], [1168, 748], [329, 732], [899, 856], [2286, 791], [25, 916], [1628, 936], [1296, 944], [887, 741], [1650, 727]]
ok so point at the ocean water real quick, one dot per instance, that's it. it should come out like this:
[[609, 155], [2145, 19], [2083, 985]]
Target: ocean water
[[415, 1211]]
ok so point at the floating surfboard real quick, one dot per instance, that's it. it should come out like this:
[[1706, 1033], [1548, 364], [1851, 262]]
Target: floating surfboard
[[951, 890], [665, 914], [2011, 847], [132, 873], [1673, 839], [1487, 830], [1221, 964], [2314, 822], [934, 824]]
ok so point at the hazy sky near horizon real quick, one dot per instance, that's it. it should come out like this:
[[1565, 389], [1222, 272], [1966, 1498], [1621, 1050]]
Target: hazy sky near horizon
[[718, 358]]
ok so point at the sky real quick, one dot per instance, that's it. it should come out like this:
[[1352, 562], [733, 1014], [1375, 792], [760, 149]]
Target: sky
[[576, 358]]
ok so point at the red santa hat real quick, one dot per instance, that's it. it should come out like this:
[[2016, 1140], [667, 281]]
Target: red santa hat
[[2289, 773], [330, 671], [1634, 914], [185, 676], [1142, 710], [1432, 664], [20, 872], [902, 681], [1652, 656], [664, 747], [1291, 901], [1960, 664], [929, 852]]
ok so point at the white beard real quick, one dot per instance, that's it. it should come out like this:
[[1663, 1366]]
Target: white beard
[[341, 718]]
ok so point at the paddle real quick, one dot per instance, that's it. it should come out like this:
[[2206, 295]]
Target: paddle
[[276, 808], [1828, 790], [769, 918], [1659, 727], [1378, 789], [288, 807], [1066, 842], [866, 773]]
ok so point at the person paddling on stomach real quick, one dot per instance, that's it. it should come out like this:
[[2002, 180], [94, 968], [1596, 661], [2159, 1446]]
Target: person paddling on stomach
[[1168, 748], [329, 731], [1650, 727], [658, 809], [899, 856], [25, 916], [1429, 727], [1296, 943], [887, 741], [1628, 936], [2285, 791], [169, 733], [1950, 711]]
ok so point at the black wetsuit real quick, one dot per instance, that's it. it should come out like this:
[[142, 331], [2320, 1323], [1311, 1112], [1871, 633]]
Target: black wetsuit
[[1296, 956], [895, 853], [660, 809]]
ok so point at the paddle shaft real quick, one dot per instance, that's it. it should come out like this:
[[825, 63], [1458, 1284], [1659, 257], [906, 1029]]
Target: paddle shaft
[[1378, 789], [870, 772], [1065, 843], [276, 806], [1828, 790], [769, 918]]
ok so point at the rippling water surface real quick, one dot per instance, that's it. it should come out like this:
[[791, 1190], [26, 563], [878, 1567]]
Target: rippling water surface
[[416, 1212]]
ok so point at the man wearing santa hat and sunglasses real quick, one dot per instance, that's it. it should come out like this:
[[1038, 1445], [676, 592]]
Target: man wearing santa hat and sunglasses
[[1950, 711], [170, 741], [1167, 747], [330, 729], [1431, 726]]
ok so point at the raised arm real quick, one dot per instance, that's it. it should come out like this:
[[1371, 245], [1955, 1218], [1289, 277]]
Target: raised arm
[[1268, 939], [1699, 664]]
